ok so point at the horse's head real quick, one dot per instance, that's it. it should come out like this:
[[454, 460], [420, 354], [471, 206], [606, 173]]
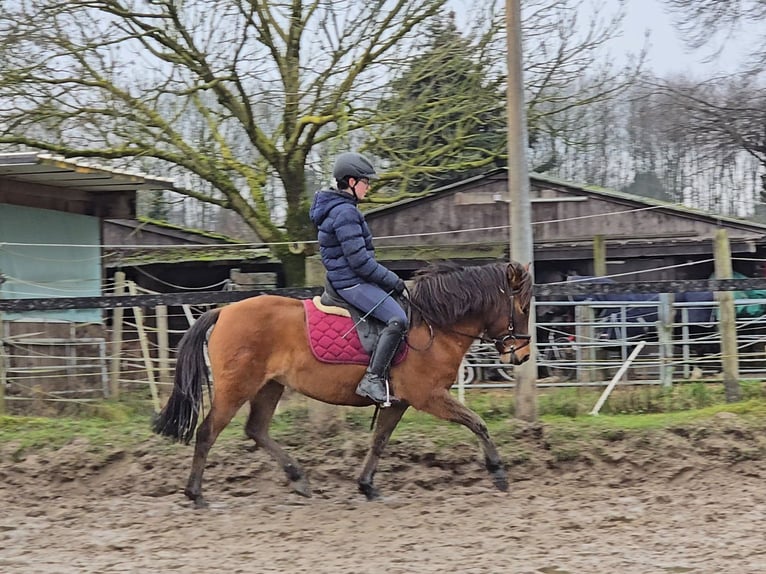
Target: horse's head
[[493, 298], [510, 331]]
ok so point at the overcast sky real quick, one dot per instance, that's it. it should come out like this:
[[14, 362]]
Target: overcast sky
[[667, 52]]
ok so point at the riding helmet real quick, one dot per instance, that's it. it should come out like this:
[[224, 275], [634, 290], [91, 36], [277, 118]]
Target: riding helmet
[[352, 164]]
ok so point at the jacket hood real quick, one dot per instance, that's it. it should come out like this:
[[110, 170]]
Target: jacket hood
[[324, 201]]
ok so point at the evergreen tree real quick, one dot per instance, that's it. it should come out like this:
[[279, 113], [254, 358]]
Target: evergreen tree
[[445, 115]]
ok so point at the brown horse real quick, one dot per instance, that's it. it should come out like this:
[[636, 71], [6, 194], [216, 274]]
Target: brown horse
[[259, 346]]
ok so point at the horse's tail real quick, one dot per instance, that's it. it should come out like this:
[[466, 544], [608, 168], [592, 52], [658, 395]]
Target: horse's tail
[[178, 418]]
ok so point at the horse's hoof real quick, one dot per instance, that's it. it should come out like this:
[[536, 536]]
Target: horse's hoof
[[370, 492], [302, 487], [500, 481], [197, 500]]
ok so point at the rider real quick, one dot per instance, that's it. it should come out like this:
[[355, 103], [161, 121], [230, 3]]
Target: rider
[[345, 244]]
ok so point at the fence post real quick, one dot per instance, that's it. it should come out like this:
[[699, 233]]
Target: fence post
[[3, 366], [116, 344], [163, 349], [143, 340], [727, 317], [586, 349], [599, 256], [665, 334]]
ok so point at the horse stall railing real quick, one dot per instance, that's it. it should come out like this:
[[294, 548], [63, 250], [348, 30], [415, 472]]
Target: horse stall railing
[[148, 339], [483, 368], [595, 338], [700, 344], [594, 341], [751, 338], [49, 368]]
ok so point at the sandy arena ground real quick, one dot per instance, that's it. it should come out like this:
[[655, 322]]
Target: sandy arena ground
[[693, 500]]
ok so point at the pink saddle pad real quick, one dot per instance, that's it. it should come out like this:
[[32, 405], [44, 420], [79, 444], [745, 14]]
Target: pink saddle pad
[[333, 339]]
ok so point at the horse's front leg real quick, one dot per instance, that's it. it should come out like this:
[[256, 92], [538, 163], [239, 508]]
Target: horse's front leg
[[387, 420], [442, 405]]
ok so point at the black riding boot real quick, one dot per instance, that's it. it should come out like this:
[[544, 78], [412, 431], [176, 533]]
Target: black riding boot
[[373, 384]]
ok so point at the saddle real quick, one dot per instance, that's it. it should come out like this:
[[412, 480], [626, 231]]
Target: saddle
[[339, 332]]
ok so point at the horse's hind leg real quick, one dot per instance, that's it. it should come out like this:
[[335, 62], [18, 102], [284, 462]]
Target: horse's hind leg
[[220, 415], [387, 421], [257, 428], [444, 406]]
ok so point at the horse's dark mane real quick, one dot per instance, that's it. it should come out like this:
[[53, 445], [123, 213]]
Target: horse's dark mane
[[444, 294]]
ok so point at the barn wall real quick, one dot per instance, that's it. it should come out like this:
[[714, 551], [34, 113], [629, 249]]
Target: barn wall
[[580, 217], [639, 235], [64, 260], [557, 216]]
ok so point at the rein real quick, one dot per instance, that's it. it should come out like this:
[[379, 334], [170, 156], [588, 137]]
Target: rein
[[499, 341], [409, 320]]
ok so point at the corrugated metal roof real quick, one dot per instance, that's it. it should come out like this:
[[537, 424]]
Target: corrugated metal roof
[[58, 171]]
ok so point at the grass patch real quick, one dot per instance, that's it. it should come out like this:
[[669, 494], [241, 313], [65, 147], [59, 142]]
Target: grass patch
[[563, 412], [644, 399], [36, 433]]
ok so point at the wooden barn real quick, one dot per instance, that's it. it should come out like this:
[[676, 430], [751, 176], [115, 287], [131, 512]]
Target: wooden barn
[[166, 258], [468, 222], [66, 228], [52, 214]]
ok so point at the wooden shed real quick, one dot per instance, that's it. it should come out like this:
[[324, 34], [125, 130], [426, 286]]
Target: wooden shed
[[164, 258], [52, 213], [469, 221]]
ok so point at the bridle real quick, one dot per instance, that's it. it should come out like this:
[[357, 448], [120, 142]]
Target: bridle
[[500, 340]]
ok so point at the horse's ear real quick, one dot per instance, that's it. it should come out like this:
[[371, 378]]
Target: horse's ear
[[514, 271], [517, 273]]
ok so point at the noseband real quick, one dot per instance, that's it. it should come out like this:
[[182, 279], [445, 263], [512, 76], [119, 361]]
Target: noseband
[[500, 341]]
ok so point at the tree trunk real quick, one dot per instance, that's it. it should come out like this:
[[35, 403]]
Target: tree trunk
[[294, 267]]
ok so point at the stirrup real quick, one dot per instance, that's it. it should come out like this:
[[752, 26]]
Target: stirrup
[[388, 398], [387, 402]]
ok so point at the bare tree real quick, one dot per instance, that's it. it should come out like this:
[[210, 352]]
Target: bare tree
[[239, 97], [705, 21], [570, 69], [231, 91], [723, 120], [682, 140]]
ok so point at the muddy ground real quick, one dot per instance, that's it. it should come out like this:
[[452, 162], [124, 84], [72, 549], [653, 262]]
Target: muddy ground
[[689, 499]]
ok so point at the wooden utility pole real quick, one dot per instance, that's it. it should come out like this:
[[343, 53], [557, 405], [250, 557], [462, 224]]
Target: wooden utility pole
[[599, 256], [521, 247], [727, 317]]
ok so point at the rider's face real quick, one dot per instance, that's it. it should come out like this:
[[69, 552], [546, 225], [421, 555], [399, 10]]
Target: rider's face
[[361, 186]]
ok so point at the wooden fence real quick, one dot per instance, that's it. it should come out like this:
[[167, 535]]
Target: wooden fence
[[53, 367]]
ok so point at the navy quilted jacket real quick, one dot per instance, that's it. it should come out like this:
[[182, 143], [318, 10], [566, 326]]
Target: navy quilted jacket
[[345, 242]]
